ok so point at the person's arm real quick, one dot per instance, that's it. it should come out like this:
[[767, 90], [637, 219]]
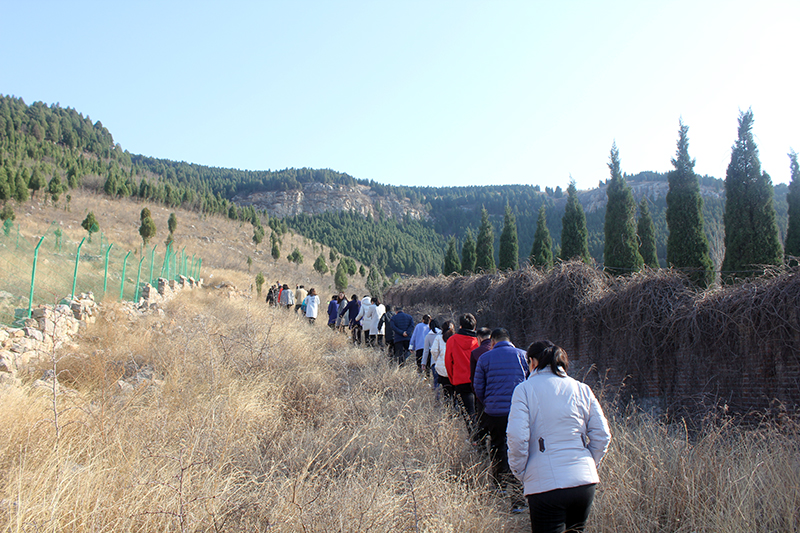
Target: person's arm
[[479, 380], [597, 429], [518, 433], [448, 360]]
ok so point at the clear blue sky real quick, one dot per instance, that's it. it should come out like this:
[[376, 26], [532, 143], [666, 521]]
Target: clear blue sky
[[418, 92]]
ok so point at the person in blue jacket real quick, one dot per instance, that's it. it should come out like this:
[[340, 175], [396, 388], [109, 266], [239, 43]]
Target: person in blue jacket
[[402, 325], [497, 373]]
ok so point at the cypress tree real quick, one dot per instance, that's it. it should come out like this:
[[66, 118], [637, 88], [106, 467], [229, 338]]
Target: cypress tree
[[484, 248], [574, 235], [468, 254], [451, 263], [621, 247], [340, 278], [21, 186], [687, 245], [509, 245], [542, 250], [647, 236], [751, 232], [147, 230], [320, 265], [793, 199], [5, 188]]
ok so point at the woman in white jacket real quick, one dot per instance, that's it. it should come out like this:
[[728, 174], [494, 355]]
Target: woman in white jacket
[[557, 436], [437, 357]]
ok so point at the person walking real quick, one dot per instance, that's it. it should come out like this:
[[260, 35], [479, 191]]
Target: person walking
[[438, 350], [417, 343], [372, 322], [333, 311], [456, 359], [402, 325], [427, 359], [557, 436], [300, 294], [352, 309], [287, 297], [388, 332], [312, 305], [497, 374]]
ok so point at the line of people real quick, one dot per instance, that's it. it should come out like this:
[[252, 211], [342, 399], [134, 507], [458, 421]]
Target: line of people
[[306, 302], [540, 426]]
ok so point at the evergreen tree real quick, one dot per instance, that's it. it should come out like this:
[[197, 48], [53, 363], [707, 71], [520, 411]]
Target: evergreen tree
[[147, 229], [21, 186], [259, 282], [258, 235], [687, 245], [451, 263], [621, 249], [468, 254], [7, 214], [375, 282], [362, 271], [320, 265], [90, 224], [484, 248], [295, 257], [647, 236], [55, 188], [172, 223], [793, 199], [5, 188], [574, 235], [542, 249], [276, 251], [751, 232], [509, 244], [37, 182], [340, 278]]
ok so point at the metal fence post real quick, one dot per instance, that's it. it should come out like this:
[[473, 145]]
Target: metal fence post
[[33, 275], [75, 276], [122, 283], [105, 274], [152, 259], [138, 276]]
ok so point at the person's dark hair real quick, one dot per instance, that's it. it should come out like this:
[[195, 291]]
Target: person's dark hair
[[355, 297], [500, 334], [467, 321], [556, 358], [535, 349], [388, 308], [448, 330], [484, 333], [376, 300], [426, 319], [433, 324]]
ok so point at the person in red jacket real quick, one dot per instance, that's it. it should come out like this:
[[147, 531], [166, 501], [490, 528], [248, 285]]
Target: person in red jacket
[[457, 362]]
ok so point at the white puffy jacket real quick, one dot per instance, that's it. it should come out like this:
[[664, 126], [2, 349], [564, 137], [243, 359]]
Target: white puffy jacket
[[437, 354], [557, 433]]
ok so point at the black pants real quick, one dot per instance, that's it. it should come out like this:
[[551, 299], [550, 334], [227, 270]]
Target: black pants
[[554, 510], [465, 402], [495, 426], [401, 351], [418, 353]]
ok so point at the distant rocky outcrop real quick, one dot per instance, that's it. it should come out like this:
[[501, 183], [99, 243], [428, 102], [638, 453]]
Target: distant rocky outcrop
[[317, 198]]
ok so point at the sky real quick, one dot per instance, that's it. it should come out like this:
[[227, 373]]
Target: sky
[[442, 93]]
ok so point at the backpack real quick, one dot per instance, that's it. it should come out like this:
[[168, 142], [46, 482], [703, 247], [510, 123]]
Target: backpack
[[303, 305]]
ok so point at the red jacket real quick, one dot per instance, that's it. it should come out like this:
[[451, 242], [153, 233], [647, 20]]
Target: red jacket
[[456, 356]]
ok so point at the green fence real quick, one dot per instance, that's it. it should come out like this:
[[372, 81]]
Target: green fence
[[48, 268]]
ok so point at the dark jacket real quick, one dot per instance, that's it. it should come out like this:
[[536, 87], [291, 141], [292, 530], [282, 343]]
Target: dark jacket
[[499, 371], [475, 355], [353, 308], [384, 322], [333, 311], [402, 322]]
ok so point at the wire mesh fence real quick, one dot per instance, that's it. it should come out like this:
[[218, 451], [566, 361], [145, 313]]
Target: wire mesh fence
[[49, 268]]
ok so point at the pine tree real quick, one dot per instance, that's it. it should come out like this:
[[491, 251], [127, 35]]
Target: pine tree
[[542, 249], [37, 182], [55, 188], [484, 248], [259, 282], [320, 265], [340, 278], [751, 232], [509, 245], [21, 186], [468, 254], [687, 245], [793, 199], [90, 224], [574, 235], [172, 223], [621, 247], [147, 229], [451, 263], [647, 236], [5, 187]]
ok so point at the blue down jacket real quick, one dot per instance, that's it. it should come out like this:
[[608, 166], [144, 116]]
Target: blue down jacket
[[498, 372]]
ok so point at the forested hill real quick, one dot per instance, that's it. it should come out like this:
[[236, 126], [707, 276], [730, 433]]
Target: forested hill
[[397, 229]]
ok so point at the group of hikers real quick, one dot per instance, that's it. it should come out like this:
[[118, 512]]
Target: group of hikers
[[538, 425]]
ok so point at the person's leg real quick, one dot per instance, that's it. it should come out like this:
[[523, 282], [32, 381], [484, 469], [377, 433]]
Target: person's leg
[[547, 511], [418, 353], [579, 506]]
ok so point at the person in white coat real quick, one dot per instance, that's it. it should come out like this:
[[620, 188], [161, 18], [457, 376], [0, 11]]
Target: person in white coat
[[372, 322], [437, 350], [312, 305], [557, 435]]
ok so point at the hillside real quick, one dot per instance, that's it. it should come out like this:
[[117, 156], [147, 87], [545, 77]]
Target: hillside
[[399, 230]]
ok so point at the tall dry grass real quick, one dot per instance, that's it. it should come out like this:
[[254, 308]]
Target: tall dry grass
[[257, 421]]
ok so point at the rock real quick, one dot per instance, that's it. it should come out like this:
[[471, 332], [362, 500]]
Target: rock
[[8, 380], [8, 364], [33, 333], [3, 336]]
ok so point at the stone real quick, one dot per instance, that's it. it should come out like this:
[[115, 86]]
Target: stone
[[8, 363], [33, 333], [4, 335]]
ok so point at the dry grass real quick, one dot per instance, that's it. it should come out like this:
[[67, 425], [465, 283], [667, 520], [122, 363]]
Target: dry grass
[[223, 244], [258, 421]]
